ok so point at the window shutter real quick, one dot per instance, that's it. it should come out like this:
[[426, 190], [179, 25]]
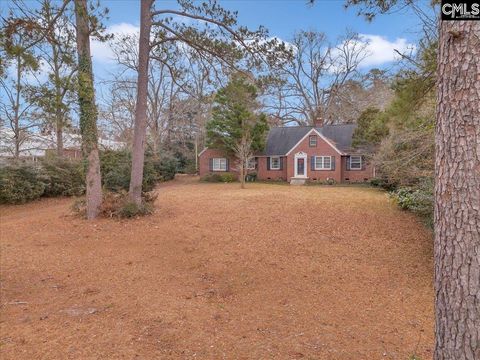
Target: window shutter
[[364, 165], [312, 163], [332, 162], [268, 163], [281, 163], [210, 164], [347, 162], [227, 165]]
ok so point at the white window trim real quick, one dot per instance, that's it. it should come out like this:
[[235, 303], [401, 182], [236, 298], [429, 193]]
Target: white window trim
[[219, 162], [360, 162], [323, 161], [271, 163], [249, 167], [310, 138]]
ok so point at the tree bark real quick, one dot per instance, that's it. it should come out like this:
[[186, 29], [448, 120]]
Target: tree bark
[[58, 102], [88, 111], [242, 174], [138, 152], [457, 193]]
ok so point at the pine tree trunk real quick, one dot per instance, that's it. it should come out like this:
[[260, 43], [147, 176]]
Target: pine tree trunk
[[138, 152], [457, 193], [88, 111], [58, 102]]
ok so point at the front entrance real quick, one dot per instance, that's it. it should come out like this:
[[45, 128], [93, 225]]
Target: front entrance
[[300, 165]]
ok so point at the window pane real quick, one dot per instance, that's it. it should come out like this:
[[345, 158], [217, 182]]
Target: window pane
[[318, 162], [275, 163], [355, 162], [326, 162]]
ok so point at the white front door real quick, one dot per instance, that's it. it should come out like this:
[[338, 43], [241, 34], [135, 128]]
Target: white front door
[[300, 165]]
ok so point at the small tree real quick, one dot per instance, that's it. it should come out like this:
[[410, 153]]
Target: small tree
[[236, 125]]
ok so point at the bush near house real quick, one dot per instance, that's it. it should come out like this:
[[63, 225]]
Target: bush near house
[[225, 178], [20, 183]]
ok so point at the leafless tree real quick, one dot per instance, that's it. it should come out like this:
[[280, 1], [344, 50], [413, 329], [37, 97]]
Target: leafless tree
[[308, 79]]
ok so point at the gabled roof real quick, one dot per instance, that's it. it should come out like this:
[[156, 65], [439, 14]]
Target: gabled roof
[[340, 135], [281, 140]]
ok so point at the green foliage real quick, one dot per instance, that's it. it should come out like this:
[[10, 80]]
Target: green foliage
[[20, 184], [234, 117], [328, 181], [383, 183], [418, 199], [116, 170], [371, 128], [166, 168], [63, 177], [130, 210], [216, 178]]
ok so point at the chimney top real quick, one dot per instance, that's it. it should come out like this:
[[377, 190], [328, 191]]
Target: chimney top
[[318, 122]]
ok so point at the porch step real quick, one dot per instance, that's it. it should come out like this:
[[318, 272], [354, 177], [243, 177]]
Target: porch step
[[298, 181]]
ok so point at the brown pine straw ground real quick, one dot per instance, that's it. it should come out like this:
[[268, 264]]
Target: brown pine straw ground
[[269, 272]]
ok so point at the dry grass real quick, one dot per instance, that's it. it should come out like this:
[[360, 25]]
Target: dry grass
[[219, 272]]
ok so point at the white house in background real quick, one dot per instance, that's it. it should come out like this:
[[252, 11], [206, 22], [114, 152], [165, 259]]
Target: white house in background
[[35, 145]]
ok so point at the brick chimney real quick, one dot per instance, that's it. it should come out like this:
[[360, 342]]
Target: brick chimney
[[318, 122]]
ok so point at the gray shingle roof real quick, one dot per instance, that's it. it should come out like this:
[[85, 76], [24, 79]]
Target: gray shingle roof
[[280, 140], [340, 135]]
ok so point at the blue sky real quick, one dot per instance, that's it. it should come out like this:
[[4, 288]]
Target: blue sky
[[399, 30]]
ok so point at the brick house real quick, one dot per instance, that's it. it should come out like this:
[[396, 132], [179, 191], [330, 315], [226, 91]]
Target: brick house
[[300, 153]]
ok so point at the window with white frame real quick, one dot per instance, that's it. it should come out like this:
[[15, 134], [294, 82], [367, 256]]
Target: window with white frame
[[313, 140], [355, 162], [275, 163], [323, 162], [219, 164], [251, 163]]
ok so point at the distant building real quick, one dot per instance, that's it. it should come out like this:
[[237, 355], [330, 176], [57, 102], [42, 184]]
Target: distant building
[[34, 145]]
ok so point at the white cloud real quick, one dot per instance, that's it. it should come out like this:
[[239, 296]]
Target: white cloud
[[101, 51], [382, 51]]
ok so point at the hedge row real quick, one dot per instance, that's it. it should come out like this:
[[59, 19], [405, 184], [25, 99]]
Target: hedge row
[[20, 183]]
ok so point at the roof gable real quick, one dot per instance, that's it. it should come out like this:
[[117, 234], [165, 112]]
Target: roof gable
[[281, 140]]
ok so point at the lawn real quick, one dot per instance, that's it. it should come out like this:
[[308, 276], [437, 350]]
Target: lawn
[[218, 272]]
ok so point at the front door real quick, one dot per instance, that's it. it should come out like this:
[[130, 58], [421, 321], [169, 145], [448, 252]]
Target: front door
[[300, 167]]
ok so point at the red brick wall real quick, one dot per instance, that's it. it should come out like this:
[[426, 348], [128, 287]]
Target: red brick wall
[[356, 175], [322, 149], [264, 174], [203, 162]]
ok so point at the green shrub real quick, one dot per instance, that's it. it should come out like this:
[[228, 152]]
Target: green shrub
[[328, 181], [21, 183], [116, 170], [211, 178], [63, 177], [418, 199], [383, 183], [130, 210], [228, 177], [166, 168], [214, 177]]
